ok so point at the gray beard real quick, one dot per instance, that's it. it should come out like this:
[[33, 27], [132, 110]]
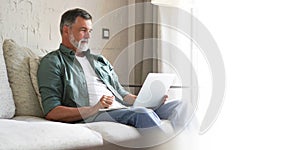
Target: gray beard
[[80, 46]]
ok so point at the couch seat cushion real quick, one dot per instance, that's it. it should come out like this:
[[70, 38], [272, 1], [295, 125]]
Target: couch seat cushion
[[127, 136], [16, 134], [114, 132]]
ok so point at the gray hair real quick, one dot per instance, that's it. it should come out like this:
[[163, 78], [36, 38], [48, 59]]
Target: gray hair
[[69, 17]]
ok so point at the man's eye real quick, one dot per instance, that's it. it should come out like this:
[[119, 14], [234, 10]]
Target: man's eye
[[90, 31]]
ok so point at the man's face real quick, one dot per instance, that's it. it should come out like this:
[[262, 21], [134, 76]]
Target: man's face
[[79, 34]]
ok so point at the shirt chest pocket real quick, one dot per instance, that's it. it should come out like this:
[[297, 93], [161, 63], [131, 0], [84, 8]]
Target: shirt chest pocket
[[106, 73]]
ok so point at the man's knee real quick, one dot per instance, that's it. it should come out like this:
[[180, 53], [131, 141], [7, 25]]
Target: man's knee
[[145, 118], [176, 102], [172, 105]]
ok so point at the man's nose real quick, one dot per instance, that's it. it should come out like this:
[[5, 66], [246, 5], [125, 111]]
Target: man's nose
[[87, 35]]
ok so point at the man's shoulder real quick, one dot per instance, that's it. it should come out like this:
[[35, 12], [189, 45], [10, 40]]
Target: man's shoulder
[[49, 62], [51, 56]]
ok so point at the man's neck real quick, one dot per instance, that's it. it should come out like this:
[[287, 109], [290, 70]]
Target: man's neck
[[67, 44], [80, 54]]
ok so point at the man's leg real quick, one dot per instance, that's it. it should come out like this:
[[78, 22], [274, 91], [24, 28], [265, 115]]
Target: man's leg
[[166, 110], [175, 111], [138, 117]]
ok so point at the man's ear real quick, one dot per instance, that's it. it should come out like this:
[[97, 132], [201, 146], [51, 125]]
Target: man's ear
[[66, 29]]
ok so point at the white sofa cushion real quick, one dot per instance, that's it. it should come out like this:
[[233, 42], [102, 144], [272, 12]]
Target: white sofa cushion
[[128, 136], [114, 132], [16, 59], [7, 105], [46, 135]]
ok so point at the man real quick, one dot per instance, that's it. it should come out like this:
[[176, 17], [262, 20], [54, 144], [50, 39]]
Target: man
[[75, 84]]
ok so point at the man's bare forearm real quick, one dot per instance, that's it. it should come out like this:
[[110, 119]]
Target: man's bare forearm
[[71, 114]]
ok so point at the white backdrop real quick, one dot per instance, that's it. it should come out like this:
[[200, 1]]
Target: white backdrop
[[260, 44]]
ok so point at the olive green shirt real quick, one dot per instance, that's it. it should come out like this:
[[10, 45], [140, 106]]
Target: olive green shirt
[[62, 81]]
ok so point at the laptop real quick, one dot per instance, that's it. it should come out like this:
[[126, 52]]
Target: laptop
[[154, 89], [152, 92]]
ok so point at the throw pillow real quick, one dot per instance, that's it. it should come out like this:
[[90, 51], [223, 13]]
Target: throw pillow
[[7, 105], [33, 68], [16, 59]]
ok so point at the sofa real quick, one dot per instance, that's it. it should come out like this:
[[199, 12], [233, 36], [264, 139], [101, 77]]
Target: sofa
[[22, 123]]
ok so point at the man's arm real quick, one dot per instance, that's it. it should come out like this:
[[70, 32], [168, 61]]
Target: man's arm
[[71, 114]]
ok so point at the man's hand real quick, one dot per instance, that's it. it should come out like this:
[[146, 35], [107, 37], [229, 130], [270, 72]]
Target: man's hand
[[106, 101], [165, 98], [130, 99]]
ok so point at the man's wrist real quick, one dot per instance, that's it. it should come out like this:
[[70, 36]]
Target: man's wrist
[[129, 99]]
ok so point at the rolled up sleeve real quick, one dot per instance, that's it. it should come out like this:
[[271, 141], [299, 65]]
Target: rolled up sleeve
[[50, 83]]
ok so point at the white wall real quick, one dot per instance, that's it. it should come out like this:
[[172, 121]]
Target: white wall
[[35, 23]]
